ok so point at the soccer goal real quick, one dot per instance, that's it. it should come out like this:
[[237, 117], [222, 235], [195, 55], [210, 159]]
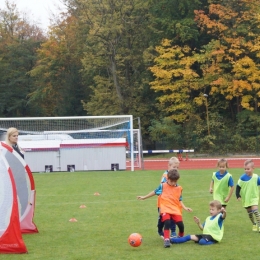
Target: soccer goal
[[74, 143]]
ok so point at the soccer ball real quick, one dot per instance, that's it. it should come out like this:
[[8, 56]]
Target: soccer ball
[[135, 240]]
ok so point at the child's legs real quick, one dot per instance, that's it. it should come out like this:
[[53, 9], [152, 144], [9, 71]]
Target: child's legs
[[178, 220], [205, 240], [194, 238], [256, 214], [181, 228], [173, 226], [179, 240], [160, 224], [250, 214], [166, 219]]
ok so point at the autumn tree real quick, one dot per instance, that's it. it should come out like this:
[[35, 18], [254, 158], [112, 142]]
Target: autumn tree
[[233, 53], [175, 79], [226, 67]]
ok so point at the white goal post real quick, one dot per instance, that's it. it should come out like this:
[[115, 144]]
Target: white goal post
[[80, 131]]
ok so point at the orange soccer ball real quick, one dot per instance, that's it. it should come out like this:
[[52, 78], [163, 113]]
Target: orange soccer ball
[[135, 240]]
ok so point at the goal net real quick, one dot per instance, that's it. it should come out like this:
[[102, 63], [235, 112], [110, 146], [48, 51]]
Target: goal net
[[75, 143]]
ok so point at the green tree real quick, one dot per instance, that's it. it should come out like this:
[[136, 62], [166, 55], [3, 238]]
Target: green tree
[[18, 43], [113, 55], [174, 20], [59, 88]]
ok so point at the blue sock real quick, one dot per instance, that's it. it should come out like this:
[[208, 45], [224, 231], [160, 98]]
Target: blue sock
[[178, 240]]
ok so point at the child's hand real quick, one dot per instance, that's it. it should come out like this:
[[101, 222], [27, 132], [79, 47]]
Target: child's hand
[[226, 199], [223, 210], [210, 190], [196, 219], [188, 209], [140, 197]]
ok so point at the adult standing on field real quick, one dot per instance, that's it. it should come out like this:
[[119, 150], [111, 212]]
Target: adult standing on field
[[12, 140]]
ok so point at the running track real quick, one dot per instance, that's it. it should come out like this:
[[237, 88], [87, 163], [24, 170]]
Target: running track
[[162, 164]]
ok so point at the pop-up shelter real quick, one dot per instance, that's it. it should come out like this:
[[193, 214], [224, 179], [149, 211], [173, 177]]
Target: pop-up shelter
[[11, 240], [25, 187]]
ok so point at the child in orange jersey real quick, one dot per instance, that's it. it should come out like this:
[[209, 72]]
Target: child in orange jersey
[[171, 204], [173, 163]]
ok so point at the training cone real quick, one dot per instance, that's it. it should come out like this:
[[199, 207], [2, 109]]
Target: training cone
[[72, 220], [96, 194], [82, 206]]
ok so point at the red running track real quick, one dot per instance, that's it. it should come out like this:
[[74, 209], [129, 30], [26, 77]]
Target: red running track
[[162, 164]]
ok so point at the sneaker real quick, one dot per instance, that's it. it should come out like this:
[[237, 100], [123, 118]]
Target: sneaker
[[161, 234], [255, 228], [173, 234], [167, 243]]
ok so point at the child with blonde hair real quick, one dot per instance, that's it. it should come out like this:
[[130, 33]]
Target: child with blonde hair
[[213, 227], [247, 191], [222, 184]]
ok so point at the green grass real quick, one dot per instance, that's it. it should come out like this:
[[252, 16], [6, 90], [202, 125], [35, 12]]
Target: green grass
[[104, 225]]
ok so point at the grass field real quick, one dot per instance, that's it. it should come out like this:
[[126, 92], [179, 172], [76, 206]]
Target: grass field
[[102, 228]]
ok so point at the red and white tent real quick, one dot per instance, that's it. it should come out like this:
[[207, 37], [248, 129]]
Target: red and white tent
[[25, 188], [11, 240]]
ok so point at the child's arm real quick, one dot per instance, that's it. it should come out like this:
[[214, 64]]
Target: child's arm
[[224, 213], [152, 193], [229, 194], [184, 207], [238, 188], [197, 221], [211, 186]]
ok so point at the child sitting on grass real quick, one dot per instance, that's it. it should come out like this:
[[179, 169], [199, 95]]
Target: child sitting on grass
[[213, 227]]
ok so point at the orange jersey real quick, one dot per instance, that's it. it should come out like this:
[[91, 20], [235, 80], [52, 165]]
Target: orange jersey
[[170, 199]]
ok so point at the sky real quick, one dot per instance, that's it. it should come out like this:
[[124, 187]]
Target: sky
[[37, 10]]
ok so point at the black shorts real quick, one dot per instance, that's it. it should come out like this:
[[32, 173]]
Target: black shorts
[[206, 237]]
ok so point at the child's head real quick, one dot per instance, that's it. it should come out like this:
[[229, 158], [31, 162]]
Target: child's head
[[222, 165], [249, 166], [173, 176], [173, 163], [214, 207]]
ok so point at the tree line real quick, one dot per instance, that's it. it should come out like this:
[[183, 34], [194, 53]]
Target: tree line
[[189, 69]]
